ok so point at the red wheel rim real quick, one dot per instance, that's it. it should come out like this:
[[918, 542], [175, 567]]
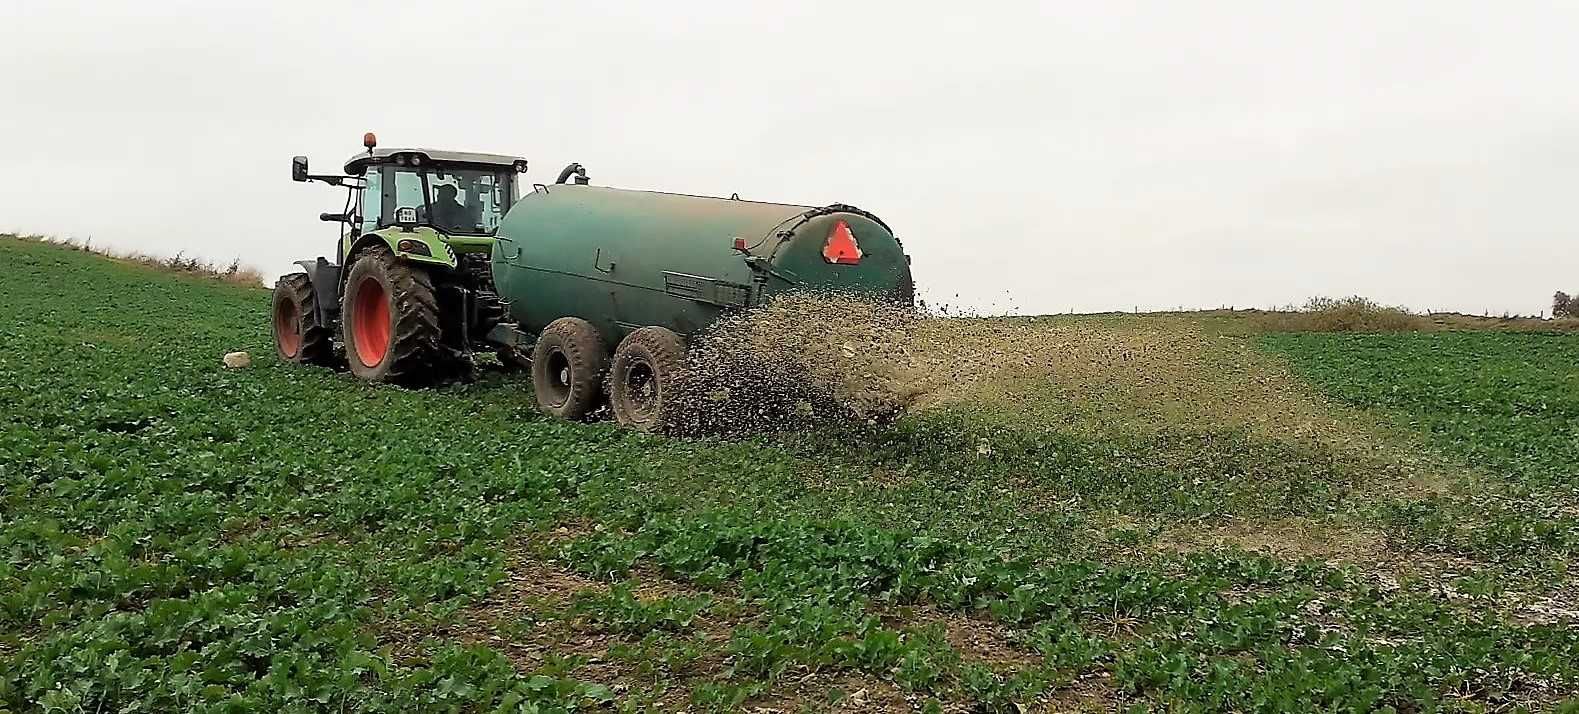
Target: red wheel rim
[[370, 322], [287, 327]]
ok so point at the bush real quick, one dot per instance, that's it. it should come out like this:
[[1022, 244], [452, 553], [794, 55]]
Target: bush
[[1350, 314], [1563, 305]]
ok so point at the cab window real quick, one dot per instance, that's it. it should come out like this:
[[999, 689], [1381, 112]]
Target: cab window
[[466, 201], [372, 199], [461, 201], [404, 192]]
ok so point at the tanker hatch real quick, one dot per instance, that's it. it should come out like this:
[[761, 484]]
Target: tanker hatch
[[841, 248]]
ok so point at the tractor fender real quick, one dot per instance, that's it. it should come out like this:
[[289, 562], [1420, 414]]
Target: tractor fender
[[421, 245], [324, 276]]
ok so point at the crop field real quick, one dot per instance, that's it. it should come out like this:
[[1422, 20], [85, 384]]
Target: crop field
[[1101, 513]]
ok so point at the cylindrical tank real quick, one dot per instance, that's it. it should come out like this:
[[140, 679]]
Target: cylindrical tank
[[624, 259]]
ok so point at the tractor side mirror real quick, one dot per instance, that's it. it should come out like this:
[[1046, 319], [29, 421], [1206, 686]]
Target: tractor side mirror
[[298, 168]]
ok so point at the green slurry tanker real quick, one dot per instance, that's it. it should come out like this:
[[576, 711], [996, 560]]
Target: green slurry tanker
[[443, 254]]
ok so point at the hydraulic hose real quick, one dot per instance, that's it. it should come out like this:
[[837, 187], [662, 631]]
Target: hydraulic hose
[[577, 170]]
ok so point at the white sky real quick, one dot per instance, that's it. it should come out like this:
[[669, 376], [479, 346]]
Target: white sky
[[1034, 156]]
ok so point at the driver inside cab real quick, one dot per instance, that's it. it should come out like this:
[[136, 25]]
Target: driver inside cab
[[448, 212]]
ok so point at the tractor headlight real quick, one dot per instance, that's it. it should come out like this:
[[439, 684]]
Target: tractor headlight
[[414, 247], [406, 216]]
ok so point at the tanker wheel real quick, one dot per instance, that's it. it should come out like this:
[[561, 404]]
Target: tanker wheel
[[567, 368], [390, 321], [642, 379], [298, 338]]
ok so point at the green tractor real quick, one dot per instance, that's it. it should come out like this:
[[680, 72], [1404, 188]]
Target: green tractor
[[594, 289], [409, 293]]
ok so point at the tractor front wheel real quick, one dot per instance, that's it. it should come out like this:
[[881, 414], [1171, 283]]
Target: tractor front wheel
[[643, 378], [298, 336], [390, 321], [568, 362]]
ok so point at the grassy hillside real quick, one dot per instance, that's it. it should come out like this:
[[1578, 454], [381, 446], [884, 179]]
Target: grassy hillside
[[1081, 514]]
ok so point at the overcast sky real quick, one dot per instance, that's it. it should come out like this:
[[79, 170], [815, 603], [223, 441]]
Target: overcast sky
[[1035, 156]]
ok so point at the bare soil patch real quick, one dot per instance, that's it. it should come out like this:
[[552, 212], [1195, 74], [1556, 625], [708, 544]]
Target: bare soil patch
[[1289, 539]]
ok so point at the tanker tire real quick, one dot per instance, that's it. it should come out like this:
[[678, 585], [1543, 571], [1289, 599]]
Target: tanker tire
[[643, 377], [390, 313], [568, 363], [298, 338]]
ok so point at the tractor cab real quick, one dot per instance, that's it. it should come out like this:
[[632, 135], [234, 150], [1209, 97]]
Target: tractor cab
[[410, 290], [455, 193], [427, 205]]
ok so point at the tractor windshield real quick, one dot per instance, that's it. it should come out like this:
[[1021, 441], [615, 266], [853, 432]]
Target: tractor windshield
[[464, 201]]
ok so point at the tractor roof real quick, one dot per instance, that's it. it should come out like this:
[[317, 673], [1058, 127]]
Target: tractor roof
[[357, 164]]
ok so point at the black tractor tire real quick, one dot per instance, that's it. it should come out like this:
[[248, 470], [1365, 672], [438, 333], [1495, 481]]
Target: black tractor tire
[[644, 377], [568, 363], [298, 338], [389, 320]]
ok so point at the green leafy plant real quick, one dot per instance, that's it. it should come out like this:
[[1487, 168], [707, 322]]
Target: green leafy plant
[[177, 536], [621, 611]]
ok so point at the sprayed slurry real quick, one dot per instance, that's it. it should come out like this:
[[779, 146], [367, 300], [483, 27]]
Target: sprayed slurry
[[1175, 407], [804, 358], [796, 361]]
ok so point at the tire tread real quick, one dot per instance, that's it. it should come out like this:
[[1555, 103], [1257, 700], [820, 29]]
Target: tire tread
[[416, 352], [317, 346]]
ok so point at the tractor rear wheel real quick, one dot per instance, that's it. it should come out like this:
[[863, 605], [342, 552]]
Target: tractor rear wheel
[[643, 377], [567, 368], [298, 336], [389, 321]]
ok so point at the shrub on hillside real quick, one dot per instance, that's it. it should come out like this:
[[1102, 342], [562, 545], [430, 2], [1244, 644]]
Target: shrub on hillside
[[1350, 314]]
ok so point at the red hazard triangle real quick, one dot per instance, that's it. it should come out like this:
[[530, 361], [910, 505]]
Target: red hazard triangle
[[841, 248]]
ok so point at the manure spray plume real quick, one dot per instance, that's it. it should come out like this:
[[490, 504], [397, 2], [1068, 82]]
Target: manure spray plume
[[807, 358], [800, 359]]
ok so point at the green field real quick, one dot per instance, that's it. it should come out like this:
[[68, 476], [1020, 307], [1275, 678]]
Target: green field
[[1139, 513]]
